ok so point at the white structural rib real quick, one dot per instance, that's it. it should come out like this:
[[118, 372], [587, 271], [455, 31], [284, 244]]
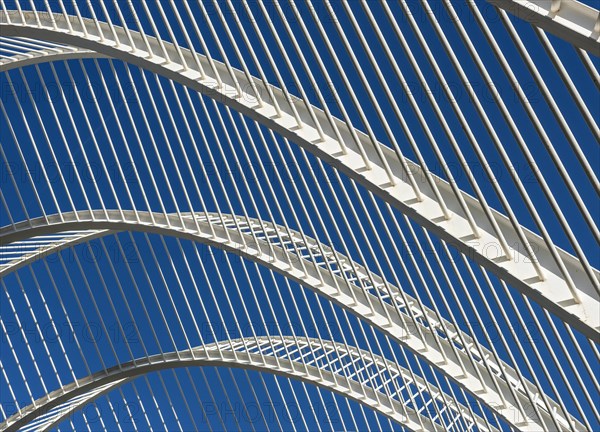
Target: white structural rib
[[375, 166], [313, 361], [46, 55], [15, 255], [571, 20], [337, 278]]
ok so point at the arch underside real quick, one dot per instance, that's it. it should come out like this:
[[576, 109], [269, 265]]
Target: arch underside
[[371, 164], [313, 265], [300, 258], [573, 21], [349, 371]]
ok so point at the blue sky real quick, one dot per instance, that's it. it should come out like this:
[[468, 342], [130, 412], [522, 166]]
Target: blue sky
[[88, 289]]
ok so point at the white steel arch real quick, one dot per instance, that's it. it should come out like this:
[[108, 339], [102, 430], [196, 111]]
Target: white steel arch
[[524, 395], [572, 21], [37, 56], [316, 362], [322, 269], [545, 273]]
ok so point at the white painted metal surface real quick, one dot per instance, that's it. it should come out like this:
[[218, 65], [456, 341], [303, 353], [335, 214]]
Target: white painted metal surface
[[571, 20], [334, 276], [460, 219], [294, 357], [527, 388]]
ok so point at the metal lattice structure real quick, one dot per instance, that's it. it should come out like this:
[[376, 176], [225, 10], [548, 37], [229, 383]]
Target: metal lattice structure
[[313, 361], [449, 239]]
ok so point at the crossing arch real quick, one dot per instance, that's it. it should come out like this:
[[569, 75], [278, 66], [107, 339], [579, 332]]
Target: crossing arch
[[550, 276]]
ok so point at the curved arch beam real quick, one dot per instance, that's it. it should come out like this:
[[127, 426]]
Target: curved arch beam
[[573, 21], [295, 357], [18, 254], [333, 276], [44, 56], [576, 305]]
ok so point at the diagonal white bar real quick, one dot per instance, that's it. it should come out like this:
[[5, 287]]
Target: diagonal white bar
[[284, 356], [576, 304], [440, 343], [571, 20]]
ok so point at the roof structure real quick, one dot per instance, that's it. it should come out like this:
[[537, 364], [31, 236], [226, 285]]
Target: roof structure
[[263, 215]]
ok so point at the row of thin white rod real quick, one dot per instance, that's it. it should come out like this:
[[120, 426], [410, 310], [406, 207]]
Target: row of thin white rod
[[249, 139], [223, 55], [149, 19]]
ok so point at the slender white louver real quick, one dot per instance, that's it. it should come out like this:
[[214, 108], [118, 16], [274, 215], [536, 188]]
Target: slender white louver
[[150, 158]]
